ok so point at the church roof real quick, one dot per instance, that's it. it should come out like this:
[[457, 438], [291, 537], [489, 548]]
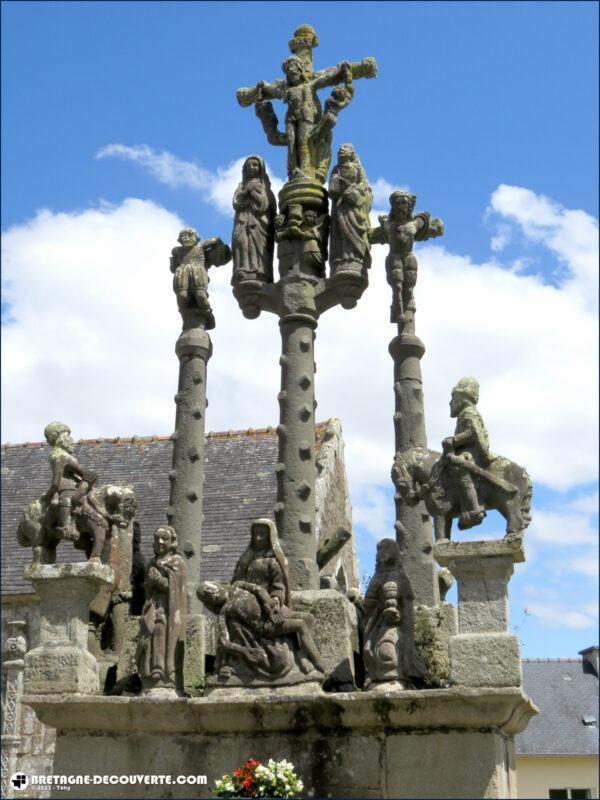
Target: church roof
[[566, 691], [239, 486]]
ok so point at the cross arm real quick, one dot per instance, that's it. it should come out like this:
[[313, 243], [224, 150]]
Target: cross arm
[[367, 68], [270, 91]]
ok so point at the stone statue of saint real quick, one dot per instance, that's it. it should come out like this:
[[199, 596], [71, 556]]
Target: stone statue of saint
[[389, 637], [261, 639], [189, 265], [161, 637], [254, 225], [401, 228], [469, 446], [351, 198]]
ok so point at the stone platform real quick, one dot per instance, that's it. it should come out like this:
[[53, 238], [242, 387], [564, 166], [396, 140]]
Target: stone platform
[[437, 743]]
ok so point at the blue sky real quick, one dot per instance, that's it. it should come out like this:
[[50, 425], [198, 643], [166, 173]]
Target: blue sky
[[487, 111]]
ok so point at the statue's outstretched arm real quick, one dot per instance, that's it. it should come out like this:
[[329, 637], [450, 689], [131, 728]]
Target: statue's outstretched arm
[[270, 91]]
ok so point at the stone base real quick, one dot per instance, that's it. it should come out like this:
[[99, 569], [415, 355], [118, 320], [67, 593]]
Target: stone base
[[441, 743], [335, 632], [485, 659], [56, 669]]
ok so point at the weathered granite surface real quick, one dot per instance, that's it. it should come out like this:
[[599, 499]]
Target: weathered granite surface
[[445, 743], [483, 653], [61, 661]]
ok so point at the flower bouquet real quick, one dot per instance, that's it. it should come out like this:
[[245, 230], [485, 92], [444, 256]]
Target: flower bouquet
[[253, 779]]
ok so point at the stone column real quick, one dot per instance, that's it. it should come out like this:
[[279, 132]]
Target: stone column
[[61, 663], [483, 653], [193, 349], [295, 510], [14, 650], [413, 524]]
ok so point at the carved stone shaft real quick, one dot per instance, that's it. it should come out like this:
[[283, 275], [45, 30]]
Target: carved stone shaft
[[413, 525], [296, 470], [193, 348], [14, 651]]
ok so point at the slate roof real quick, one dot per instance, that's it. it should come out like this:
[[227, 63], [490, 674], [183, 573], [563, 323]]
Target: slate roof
[[239, 487], [565, 690]]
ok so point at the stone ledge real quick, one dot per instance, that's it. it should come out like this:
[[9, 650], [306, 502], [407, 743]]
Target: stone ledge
[[87, 569], [507, 710], [513, 548]]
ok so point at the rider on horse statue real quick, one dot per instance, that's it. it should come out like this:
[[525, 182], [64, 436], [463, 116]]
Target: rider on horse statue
[[70, 481], [468, 447]]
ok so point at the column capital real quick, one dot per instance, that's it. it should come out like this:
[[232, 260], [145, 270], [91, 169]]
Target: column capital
[[194, 342]]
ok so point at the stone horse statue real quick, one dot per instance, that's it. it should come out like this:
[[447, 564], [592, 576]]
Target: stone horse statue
[[504, 486], [101, 508]]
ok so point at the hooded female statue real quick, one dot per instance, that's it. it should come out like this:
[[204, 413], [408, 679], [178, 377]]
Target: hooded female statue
[[260, 636], [351, 198], [254, 227]]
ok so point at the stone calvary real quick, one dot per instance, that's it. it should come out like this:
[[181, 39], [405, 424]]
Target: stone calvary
[[397, 693]]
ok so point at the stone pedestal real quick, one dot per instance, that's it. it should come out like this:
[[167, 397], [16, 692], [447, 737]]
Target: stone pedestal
[[335, 632], [437, 743], [483, 653], [62, 663]]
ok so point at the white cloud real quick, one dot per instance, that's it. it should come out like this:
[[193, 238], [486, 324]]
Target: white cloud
[[218, 187], [586, 503], [562, 528], [586, 566], [552, 615], [572, 235]]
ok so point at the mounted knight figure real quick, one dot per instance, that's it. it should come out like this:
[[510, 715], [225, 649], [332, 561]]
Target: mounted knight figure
[[73, 508], [466, 479]]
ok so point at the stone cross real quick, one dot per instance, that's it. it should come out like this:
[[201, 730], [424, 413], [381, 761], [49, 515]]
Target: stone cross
[[307, 134]]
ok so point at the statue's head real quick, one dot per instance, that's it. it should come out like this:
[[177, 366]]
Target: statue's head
[[402, 203], [188, 237], [295, 70], [122, 499], [253, 168], [213, 595], [387, 554], [59, 435], [310, 218], [263, 534], [465, 393], [304, 36], [165, 540]]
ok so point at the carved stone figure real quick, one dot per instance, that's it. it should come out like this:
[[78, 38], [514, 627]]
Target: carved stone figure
[[161, 638], [73, 508], [261, 638], [466, 480], [189, 265], [400, 229], [307, 134], [389, 636], [351, 198], [254, 227]]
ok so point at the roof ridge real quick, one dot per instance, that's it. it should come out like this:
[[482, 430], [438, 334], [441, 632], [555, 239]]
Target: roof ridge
[[557, 660], [162, 438]]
